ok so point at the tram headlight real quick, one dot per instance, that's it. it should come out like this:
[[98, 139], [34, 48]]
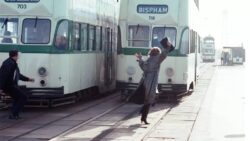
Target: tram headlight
[[131, 70], [43, 83], [170, 72], [42, 71]]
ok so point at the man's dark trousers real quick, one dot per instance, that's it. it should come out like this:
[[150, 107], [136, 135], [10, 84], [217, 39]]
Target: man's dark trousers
[[19, 98]]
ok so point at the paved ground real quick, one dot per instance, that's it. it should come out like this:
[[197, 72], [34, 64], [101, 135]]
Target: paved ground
[[221, 117], [167, 121], [212, 113]]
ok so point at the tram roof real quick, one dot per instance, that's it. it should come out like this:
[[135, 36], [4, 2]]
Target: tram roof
[[68, 9]]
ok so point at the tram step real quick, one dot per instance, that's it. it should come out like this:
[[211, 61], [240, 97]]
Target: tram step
[[49, 102], [172, 97]]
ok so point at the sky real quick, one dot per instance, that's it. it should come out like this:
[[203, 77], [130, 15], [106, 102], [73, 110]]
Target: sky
[[226, 20]]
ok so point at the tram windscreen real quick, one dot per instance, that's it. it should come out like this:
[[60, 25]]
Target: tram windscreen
[[8, 30], [209, 41], [36, 31], [161, 32], [138, 36]]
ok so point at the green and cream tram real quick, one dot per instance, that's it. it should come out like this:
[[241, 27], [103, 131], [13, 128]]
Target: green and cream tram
[[208, 49], [142, 24], [67, 45]]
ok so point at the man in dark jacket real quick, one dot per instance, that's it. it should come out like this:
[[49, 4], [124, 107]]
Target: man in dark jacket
[[9, 77]]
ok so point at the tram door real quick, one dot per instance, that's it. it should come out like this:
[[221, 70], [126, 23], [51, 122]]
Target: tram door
[[108, 55]]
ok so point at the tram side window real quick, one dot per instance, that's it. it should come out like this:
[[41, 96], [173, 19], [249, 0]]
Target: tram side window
[[98, 38], [91, 38], [36, 31], [104, 38], [196, 42], [184, 46], [199, 44], [193, 41], [76, 42], [161, 32], [8, 30], [84, 37], [107, 39], [61, 41], [138, 36]]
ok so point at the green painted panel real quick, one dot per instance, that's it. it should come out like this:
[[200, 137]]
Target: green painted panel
[[144, 51], [46, 49]]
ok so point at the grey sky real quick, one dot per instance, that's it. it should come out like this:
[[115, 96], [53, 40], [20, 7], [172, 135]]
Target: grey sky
[[226, 20]]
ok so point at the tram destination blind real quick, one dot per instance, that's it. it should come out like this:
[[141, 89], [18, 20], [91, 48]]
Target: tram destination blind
[[22, 1], [152, 9]]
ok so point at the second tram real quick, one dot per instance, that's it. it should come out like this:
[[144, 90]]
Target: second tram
[[208, 49], [142, 24]]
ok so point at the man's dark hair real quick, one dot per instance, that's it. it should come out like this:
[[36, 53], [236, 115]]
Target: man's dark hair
[[164, 42], [13, 53]]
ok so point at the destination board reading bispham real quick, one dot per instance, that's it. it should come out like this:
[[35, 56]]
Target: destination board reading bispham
[[23, 1]]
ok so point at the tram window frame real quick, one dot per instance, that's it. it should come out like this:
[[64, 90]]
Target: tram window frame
[[199, 44], [110, 41], [90, 40], [119, 40], [14, 31], [64, 36], [76, 42], [185, 42], [84, 37], [101, 37], [36, 25], [192, 43], [196, 41], [144, 41], [98, 34], [166, 32], [104, 39]]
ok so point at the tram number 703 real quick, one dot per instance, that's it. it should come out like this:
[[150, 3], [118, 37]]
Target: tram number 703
[[21, 6]]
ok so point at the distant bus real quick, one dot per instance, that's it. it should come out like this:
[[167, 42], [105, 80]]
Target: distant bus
[[208, 49], [236, 55], [143, 23]]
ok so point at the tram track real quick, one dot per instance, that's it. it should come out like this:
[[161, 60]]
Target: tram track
[[57, 138], [149, 127], [159, 120], [87, 106], [163, 112], [81, 124], [163, 108], [117, 125], [155, 124]]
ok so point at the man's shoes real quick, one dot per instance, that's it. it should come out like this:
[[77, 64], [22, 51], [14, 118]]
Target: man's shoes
[[14, 117]]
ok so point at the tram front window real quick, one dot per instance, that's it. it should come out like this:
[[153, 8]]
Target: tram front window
[[161, 32], [61, 39], [209, 41], [138, 36], [8, 30], [36, 31]]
